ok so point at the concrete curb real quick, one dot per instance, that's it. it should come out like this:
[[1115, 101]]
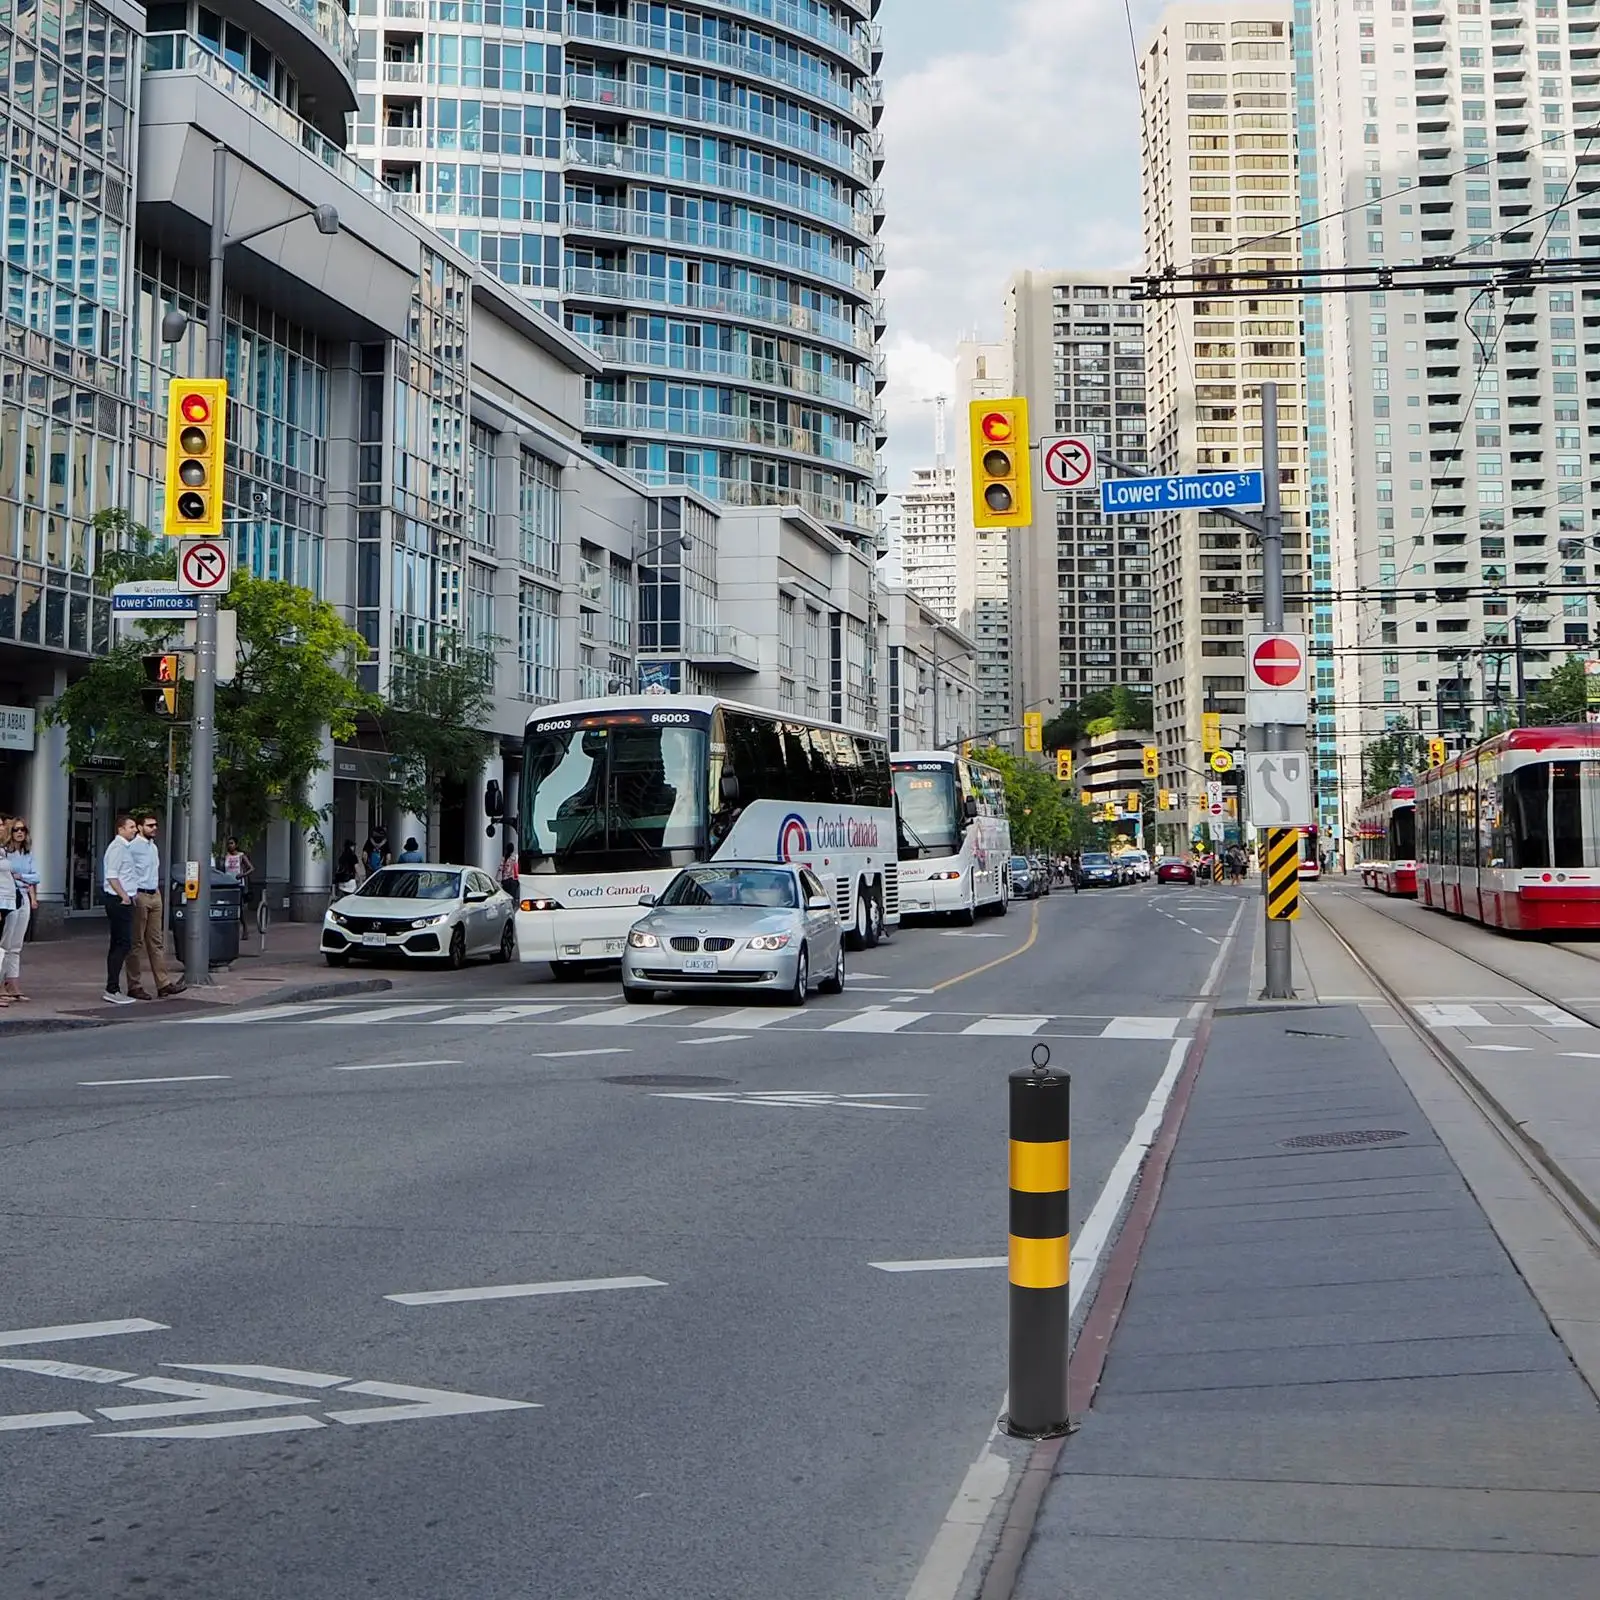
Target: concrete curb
[[290, 995], [51, 1024], [335, 989]]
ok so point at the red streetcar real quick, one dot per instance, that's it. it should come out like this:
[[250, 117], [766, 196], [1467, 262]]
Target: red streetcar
[[1310, 854], [1386, 842], [1508, 833]]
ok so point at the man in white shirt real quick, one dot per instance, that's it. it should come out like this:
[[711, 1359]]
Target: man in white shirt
[[119, 878], [148, 939]]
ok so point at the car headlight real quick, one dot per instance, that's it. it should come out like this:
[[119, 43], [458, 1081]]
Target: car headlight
[[339, 917], [540, 905], [769, 941], [638, 939], [431, 922]]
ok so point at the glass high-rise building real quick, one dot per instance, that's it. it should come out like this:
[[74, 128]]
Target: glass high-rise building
[[693, 188]]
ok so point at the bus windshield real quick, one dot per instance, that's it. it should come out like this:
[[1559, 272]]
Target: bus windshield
[[925, 797], [613, 797]]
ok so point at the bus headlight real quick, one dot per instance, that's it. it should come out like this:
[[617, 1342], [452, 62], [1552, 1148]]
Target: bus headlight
[[769, 941], [640, 940]]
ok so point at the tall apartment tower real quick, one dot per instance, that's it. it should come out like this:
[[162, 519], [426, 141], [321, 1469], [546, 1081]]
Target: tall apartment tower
[[928, 538], [1081, 603], [1457, 454], [983, 564], [1219, 181], [693, 190]]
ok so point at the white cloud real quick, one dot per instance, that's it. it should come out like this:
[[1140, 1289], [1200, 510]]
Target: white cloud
[[1012, 141]]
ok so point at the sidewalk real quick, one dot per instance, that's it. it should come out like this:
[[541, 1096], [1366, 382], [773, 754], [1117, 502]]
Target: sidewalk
[[1330, 1381], [65, 979]]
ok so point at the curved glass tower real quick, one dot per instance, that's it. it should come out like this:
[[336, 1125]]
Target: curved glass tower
[[720, 218]]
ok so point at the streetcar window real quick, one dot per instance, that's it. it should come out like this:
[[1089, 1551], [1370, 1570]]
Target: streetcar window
[[1566, 814], [1403, 835]]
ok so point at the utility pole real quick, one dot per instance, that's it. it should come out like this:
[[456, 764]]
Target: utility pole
[[1280, 980], [1522, 672]]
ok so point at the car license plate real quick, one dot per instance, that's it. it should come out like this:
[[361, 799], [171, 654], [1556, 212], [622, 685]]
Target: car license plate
[[700, 964], [613, 947], [374, 938]]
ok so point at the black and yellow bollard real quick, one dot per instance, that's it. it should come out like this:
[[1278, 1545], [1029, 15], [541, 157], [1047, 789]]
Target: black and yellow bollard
[[1040, 1250]]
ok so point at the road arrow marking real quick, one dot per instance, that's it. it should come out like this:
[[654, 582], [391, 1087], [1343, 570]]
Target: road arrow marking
[[422, 1403], [78, 1330], [521, 1291]]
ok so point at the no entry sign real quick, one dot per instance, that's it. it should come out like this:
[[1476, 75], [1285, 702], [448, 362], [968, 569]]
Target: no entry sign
[[1277, 661]]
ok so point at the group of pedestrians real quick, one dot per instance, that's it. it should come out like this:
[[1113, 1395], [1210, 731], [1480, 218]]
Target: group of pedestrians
[[19, 898], [130, 882]]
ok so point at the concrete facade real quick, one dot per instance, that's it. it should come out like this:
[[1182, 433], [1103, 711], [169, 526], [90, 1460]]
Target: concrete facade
[[927, 538]]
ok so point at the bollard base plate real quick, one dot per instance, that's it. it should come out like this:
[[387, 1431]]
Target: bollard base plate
[[1058, 1430]]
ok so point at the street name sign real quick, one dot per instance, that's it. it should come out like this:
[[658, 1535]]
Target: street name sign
[[152, 597], [1204, 491], [1068, 463], [1280, 789]]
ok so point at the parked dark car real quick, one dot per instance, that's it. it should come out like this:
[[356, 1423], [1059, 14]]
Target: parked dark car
[[1174, 869], [1097, 869]]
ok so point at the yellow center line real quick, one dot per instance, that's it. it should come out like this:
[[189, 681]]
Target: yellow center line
[[1000, 961]]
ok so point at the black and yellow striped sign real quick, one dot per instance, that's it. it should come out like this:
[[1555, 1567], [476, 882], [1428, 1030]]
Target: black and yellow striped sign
[[1216, 868], [1283, 874]]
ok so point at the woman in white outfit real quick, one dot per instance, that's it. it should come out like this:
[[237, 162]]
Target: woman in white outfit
[[18, 849]]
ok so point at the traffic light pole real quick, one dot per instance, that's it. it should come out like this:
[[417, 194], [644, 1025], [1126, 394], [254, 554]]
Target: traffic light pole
[[1275, 736], [202, 750]]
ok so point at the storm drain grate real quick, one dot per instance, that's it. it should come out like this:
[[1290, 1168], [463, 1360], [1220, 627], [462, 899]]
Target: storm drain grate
[[1347, 1136], [669, 1080]]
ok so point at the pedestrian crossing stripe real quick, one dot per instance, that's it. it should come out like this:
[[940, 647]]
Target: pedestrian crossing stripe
[[692, 1019], [1283, 874]]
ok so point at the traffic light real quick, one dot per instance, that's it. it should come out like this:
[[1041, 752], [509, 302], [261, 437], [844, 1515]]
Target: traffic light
[[1436, 752], [1164, 800], [1002, 490], [196, 436], [1210, 731], [1152, 761], [161, 673], [1063, 766], [1033, 731], [1085, 797], [1133, 802]]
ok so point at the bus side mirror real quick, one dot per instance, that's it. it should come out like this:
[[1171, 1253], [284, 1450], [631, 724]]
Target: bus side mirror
[[493, 800], [728, 789], [970, 809]]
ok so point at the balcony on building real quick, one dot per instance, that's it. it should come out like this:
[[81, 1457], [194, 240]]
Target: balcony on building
[[722, 649]]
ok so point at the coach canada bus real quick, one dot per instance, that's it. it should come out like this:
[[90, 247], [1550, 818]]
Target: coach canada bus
[[955, 839], [618, 794]]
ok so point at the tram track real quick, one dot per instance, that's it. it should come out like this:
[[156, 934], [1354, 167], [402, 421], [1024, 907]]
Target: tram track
[[1569, 1198]]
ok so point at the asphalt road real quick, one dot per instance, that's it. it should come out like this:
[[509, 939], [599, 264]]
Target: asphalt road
[[770, 1416]]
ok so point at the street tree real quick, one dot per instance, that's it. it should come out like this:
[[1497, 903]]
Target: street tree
[[1393, 758], [1562, 697]]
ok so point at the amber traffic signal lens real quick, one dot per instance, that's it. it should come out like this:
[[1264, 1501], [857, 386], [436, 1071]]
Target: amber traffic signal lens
[[193, 473], [996, 427], [195, 408], [193, 441], [998, 498], [191, 506], [997, 464]]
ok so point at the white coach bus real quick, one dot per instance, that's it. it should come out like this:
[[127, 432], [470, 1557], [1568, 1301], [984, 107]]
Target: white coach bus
[[955, 839], [618, 794]]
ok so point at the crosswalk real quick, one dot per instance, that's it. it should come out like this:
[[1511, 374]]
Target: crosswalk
[[819, 1017]]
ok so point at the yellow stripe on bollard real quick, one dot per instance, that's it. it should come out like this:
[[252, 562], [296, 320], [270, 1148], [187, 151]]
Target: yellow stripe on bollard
[[1283, 874], [1040, 1168], [1040, 1263]]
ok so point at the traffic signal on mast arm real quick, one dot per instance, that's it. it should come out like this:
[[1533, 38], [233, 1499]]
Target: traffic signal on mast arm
[[1002, 487], [1063, 766], [197, 411], [1436, 752], [161, 675], [1152, 761]]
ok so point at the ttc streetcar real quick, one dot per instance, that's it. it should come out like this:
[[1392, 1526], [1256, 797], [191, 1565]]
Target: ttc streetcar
[[1509, 833], [1386, 842]]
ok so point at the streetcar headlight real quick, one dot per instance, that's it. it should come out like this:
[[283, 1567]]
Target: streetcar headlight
[[640, 940], [769, 941]]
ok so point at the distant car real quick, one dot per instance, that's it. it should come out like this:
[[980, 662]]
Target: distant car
[[1136, 864], [425, 912], [737, 925], [1174, 869], [1023, 883], [1095, 867]]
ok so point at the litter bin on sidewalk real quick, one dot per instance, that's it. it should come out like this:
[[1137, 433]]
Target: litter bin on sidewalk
[[223, 918]]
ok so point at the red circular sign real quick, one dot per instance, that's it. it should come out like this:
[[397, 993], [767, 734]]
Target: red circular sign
[[1277, 662]]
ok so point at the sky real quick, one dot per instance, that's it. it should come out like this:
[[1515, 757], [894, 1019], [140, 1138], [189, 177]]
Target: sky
[[1011, 133]]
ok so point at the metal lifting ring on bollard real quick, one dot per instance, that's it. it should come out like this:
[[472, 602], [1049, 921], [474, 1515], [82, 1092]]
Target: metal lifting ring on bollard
[[1040, 1248]]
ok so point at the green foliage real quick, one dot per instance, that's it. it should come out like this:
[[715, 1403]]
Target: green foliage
[[1100, 725], [1100, 711], [1393, 758], [1562, 697], [437, 706], [296, 678], [1131, 710], [1043, 817]]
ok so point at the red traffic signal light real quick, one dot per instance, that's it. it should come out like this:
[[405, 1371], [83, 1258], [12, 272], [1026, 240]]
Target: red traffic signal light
[[1001, 489], [996, 426], [194, 408]]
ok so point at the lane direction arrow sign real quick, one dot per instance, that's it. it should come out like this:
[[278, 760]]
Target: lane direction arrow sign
[[1280, 790], [1069, 462], [204, 567]]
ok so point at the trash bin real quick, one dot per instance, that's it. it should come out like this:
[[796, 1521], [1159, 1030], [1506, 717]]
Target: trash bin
[[224, 918]]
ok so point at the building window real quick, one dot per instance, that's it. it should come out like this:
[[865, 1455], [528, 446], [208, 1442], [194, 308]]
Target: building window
[[539, 514], [538, 642]]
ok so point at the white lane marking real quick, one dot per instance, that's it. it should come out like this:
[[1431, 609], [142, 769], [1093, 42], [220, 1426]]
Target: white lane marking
[[875, 977], [1503, 1049], [1554, 1016], [620, 1017], [717, 1038], [801, 1099], [882, 988], [78, 1330], [1570, 1055], [521, 1291], [1015, 1027], [389, 1066], [67, 1369], [947, 1264], [390, 1013], [194, 1400], [42, 1419], [114, 1083], [1140, 1028], [1437, 1016], [308, 1380], [219, 1430], [964, 934], [876, 1022], [568, 1055], [944, 1569], [489, 1019], [745, 1019], [422, 1403], [271, 1014]]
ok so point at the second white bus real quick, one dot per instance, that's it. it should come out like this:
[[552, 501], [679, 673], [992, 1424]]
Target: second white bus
[[955, 838]]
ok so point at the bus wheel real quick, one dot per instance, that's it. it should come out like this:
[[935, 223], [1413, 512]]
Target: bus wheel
[[1001, 906], [875, 932]]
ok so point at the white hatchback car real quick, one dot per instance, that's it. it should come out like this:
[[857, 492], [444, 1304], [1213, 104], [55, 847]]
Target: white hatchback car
[[425, 912]]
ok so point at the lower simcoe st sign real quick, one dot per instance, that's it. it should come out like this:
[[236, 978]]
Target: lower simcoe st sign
[[1236, 491]]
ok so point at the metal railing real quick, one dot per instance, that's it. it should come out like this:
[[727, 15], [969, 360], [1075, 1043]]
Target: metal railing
[[755, 431], [732, 364]]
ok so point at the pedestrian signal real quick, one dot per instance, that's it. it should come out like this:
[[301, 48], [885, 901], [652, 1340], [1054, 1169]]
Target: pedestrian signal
[[1152, 761], [196, 432], [161, 676], [1436, 752], [1002, 493], [1063, 766]]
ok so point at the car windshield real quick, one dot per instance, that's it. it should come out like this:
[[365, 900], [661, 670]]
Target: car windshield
[[613, 796], [732, 886], [1095, 858], [925, 798], [411, 883], [1020, 861]]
